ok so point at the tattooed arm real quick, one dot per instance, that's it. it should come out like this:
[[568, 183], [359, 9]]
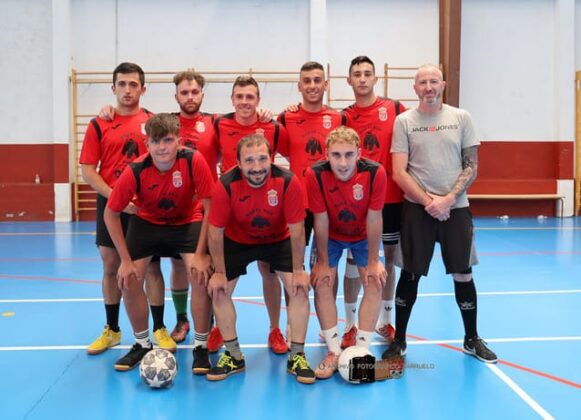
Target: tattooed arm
[[440, 206], [469, 170]]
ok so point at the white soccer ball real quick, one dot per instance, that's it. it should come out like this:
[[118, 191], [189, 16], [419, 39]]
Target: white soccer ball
[[158, 368], [345, 359]]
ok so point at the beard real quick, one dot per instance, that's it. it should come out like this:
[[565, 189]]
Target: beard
[[191, 108], [259, 183]]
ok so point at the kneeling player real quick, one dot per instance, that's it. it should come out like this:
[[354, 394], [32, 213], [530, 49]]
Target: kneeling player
[[163, 184], [346, 195], [257, 214]]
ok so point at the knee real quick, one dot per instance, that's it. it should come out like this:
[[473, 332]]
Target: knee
[[407, 276], [462, 277], [372, 291], [220, 299], [300, 299], [323, 290]]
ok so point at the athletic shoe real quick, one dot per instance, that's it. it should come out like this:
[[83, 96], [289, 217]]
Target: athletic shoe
[[276, 342], [180, 331], [163, 340], [226, 366], [132, 358], [215, 340], [328, 366], [476, 346], [349, 337], [107, 339], [397, 348], [386, 331], [299, 367], [201, 364]]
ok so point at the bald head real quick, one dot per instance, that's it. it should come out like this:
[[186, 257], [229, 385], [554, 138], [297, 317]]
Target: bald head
[[429, 69]]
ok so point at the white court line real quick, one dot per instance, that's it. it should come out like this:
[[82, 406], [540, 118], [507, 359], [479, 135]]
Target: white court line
[[520, 392], [46, 233], [259, 298], [311, 345]]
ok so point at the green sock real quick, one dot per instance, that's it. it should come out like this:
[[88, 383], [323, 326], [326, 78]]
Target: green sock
[[180, 301]]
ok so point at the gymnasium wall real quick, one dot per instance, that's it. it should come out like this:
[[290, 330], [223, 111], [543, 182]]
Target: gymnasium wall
[[517, 68]]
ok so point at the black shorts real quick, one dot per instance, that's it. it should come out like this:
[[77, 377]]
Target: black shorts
[[237, 256], [103, 238], [309, 223], [420, 232], [145, 239], [391, 223]]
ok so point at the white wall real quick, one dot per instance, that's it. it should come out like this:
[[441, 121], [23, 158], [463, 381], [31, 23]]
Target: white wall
[[509, 71], [401, 34], [507, 68], [25, 71], [207, 35]]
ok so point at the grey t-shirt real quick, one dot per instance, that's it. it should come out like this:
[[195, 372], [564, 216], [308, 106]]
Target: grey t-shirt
[[434, 144]]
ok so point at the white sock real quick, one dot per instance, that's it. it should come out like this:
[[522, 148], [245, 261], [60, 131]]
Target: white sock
[[201, 339], [142, 338], [363, 338], [386, 313], [350, 315], [332, 339]]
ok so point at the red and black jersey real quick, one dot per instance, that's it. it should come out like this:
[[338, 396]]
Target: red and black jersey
[[198, 133], [229, 132], [306, 138], [257, 215], [374, 124], [113, 144], [346, 202], [164, 198]]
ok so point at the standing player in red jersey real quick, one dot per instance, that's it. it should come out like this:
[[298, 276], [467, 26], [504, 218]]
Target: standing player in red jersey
[[110, 145], [346, 195], [163, 184], [308, 128], [196, 132], [373, 118], [257, 213], [230, 128]]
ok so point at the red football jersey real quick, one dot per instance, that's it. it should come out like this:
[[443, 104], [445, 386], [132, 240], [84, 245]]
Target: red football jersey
[[306, 138], [257, 215], [164, 198], [113, 144], [229, 132], [374, 124], [198, 133], [347, 202]]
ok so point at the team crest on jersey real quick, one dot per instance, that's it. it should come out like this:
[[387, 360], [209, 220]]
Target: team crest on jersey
[[177, 179], [358, 192], [260, 131], [272, 198], [200, 127], [327, 122], [382, 114], [143, 129]]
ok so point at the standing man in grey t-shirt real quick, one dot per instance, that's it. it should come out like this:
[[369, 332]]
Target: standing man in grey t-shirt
[[435, 159]]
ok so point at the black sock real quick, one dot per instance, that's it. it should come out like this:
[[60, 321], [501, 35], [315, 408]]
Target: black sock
[[157, 315], [112, 314], [405, 297], [466, 300], [182, 317]]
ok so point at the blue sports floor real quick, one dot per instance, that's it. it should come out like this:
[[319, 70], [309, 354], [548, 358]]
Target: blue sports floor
[[529, 285]]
